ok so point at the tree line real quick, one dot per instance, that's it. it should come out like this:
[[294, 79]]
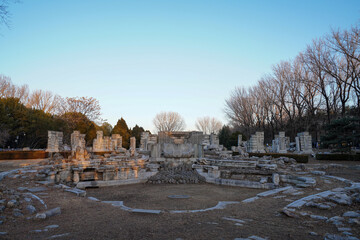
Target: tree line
[[319, 85], [26, 117]]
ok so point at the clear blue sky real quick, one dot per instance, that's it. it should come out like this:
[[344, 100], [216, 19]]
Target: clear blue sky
[[139, 58]]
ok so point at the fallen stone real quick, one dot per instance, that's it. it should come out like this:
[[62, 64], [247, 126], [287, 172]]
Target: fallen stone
[[290, 212], [340, 198], [77, 191], [12, 203], [319, 173], [36, 231], [49, 213], [30, 209], [351, 214], [338, 237], [317, 217], [354, 221], [250, 199], [313, 233], [59, 235], [37, 189], [94, 199], [3, 233], [344, 229], [22, 188], [52, 226], [17, 213], [148, 211], [274, 191]]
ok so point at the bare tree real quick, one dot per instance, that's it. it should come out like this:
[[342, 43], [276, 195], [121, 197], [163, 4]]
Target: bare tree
[[208, 125], [8, 89], [88, 106], [44, 100], [169, 122]]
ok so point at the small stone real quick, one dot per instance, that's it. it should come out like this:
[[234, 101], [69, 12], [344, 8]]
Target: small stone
[[36, 231], [290, 212], [12, 203], [30, 209], [3, 233], [313, 233], [17, 213], [40, 216], [52, 226]]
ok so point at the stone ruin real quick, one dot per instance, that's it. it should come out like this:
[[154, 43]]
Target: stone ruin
[[256, 143], [279, 143], [55, 142], [107, 144], [304, 143], [175, 157]]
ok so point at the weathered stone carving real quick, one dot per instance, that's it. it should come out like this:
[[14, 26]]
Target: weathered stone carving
[[55, 141]]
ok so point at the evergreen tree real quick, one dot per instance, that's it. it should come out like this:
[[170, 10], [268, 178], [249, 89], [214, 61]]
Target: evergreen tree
[[342, 134], [136, 132], [224, 136], [122, 129]]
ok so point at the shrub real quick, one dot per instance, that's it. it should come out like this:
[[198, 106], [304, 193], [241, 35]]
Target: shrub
[[338, 157]]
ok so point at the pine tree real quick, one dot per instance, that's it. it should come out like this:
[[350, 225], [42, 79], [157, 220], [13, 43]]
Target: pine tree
[[122, 128]]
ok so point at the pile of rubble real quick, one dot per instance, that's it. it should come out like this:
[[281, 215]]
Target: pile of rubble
[[182, 174]]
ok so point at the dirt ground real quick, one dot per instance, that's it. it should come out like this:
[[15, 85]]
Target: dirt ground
[[82, 218]]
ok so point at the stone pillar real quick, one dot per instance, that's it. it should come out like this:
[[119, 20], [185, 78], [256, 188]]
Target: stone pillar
[[55, 141], [239, 140], [98, 142], [132, 146], [305, 143]]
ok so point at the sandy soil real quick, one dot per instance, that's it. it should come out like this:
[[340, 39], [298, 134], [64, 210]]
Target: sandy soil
[[82, 218]]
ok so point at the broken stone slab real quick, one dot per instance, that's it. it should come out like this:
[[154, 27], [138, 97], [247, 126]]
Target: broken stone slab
[[22, 188], [248, 200], [274, 191], [94, 199], [338, 237], [77, 191], [46, 183], [49, 213], [321, 206], [59, 236], [318, 217], [344, 229], [148, 211], [17, 213], [290, 212], [318, 173], [351, 214], [39, 199], [340, 198], [52, 226], [37, 189], [301, 202], [253, 237], [178, 196], [234, 220]]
